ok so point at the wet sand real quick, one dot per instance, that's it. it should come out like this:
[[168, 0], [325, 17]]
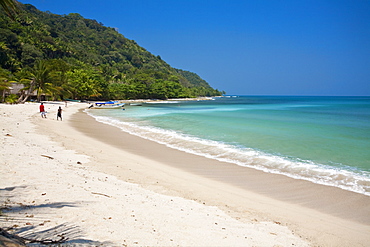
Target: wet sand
[[323, 214]]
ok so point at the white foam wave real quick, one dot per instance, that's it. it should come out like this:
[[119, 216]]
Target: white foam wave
[[349, 180], [163, 102]]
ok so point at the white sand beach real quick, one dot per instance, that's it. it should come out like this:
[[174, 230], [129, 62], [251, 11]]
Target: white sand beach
[[90, 183]]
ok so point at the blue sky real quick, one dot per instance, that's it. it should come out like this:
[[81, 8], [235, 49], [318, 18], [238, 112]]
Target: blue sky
[[260, 47]]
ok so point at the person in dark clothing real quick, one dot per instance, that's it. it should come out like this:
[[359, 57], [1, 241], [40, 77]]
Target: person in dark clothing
[[59, 114]]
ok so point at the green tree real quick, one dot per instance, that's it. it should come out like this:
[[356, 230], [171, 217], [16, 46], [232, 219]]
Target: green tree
[[11, 99], [30, 54], [4, 83], [84, 83], [10, 7], [42, 79], [119, 91]]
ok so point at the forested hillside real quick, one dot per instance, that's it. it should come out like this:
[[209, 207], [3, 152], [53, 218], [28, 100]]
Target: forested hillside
[[68, 56]]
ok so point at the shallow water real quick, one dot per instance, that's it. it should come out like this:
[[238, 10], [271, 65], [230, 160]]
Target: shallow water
[[322, 139]]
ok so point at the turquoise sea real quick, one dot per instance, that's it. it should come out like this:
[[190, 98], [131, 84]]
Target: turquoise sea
[[325, 140]]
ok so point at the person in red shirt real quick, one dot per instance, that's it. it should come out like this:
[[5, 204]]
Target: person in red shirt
[[42, 110]]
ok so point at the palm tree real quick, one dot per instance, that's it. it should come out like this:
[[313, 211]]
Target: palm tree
[[4, 86], [5, 83], [39, 79], [10, 7], [42, 79], [62, 85]]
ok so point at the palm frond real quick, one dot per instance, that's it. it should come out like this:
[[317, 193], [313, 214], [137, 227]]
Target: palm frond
[[10, 7]]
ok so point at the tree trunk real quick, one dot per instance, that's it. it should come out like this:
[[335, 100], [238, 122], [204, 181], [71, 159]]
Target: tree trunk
[[20, 97], [26, 94]]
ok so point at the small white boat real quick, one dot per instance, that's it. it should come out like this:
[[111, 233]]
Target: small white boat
[[107, 105]]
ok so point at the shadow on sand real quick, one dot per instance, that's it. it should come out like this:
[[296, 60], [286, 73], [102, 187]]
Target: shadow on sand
[[16, 223]]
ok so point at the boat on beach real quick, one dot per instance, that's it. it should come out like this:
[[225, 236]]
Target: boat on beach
[[107, 105]]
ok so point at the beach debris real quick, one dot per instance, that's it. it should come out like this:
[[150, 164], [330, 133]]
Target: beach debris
[[23, 205], [78, 162], [43, 223], [8, 135], [95, 193], [47, 156]]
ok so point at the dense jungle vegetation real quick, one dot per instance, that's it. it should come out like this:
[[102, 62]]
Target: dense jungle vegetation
[[68, 56]]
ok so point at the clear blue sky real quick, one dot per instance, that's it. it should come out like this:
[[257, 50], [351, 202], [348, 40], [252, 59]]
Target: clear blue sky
[[251, 47]]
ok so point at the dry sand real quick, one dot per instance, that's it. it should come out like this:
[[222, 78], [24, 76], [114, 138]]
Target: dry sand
[[95, 184]]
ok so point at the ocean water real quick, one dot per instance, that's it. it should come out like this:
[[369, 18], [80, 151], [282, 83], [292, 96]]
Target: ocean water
[[325, 140]]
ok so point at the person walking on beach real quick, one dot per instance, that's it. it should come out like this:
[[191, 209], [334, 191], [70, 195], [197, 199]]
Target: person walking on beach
[[59, 114], [42, 110]]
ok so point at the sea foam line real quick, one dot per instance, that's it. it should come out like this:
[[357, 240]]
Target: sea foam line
[[247, 157]]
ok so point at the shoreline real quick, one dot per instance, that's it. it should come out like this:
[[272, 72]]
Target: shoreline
[[272, 197], [278, 186], [319, 214]]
